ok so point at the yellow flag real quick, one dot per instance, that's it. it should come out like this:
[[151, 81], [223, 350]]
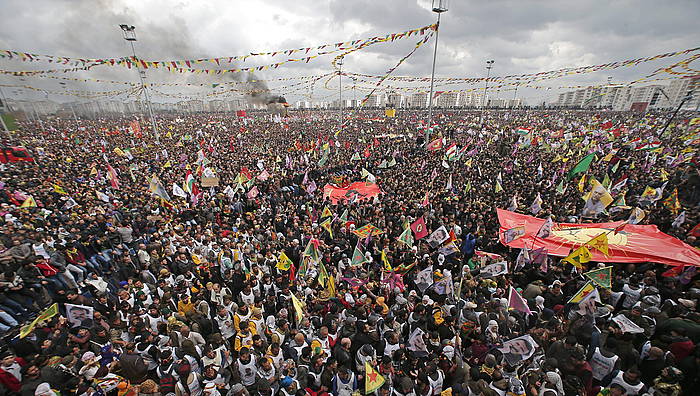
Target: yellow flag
[[326, 212], [283, 262], [385, 261], [118, 151], [582, 293], [582, 183], [498, 187], [578, 257], [169, 134], [298, 308], [167, 165], [93, 171], [29, 203], [326, 224], [59, 189], [373, 380], [600, 243], [468, 163], [330, 287]]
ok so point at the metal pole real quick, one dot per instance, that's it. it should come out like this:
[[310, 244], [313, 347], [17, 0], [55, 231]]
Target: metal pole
[[489, 65], [145, 91], [432, 83], [340, 91], [38, 118]]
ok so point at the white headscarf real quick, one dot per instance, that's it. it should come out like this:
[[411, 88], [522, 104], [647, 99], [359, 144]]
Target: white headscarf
[[555, 379]]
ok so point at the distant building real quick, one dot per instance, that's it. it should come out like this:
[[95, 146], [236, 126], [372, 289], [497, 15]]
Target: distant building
[[418, 100]]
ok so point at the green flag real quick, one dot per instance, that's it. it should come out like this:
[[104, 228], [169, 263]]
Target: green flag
[[560, 187], [322, 274], [606, 182], [581, 166], [312, 251], [344, 216], [358, 258], [355, 157], [601, 277], [406, 237]]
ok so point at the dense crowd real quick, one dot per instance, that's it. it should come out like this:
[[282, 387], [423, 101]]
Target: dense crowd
[[160, 294]]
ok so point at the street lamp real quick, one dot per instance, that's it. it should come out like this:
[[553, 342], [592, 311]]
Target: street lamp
[[130, 36], [489, 65], [439, 6]]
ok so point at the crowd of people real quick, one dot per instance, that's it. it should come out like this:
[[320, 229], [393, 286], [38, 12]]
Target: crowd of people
[[206, 259]]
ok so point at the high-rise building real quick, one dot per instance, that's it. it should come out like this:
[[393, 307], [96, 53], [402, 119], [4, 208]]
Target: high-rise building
[[419, 99]]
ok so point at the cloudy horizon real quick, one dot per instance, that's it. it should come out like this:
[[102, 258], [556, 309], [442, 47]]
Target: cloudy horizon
[[520, 36]]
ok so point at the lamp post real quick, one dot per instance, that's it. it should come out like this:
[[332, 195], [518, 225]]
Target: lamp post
[[439, 6], [484, 102], [340, 91], [130, 36]]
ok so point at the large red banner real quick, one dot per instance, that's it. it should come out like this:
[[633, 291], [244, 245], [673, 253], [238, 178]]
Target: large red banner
[[355, 191], [634, 244]]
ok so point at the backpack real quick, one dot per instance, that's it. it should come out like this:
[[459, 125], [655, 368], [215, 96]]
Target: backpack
[[166, 382]]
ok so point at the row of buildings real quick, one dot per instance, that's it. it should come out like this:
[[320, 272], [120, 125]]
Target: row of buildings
[[641, 98], [420, 100]]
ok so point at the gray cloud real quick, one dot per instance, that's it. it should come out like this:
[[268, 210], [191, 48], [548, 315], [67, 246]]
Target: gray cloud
[[522, 36]]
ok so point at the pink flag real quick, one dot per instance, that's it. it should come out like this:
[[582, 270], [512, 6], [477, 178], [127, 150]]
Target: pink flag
[[516, 301], [112, 175], [253, 192]]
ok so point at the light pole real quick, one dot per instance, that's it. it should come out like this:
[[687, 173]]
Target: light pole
[[130, 36], [340, 91], [439, 6], [484, 101]]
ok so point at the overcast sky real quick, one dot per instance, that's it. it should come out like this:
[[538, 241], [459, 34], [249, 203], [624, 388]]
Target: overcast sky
[[521, 36]]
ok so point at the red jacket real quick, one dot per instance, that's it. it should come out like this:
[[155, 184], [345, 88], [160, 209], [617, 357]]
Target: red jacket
[[9, 380]]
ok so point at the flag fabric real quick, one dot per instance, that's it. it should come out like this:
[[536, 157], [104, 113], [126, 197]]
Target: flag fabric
[[416, 343], [601, 277], [330, 287], [298, 308], [189, 181], [102, 196], [156, 188], [578, 257], [386, 263], [581, 293], [326, 225], [112, 176], [517, 302], [322, 274], [419, 229], [426, 199], [312, 250], [636, 216], [581, 166], [284, 263], [448, 186], [536, 206], [522, 131], [179, 192], [546, 229], [58, 189], [451, 152], [587, 304], [47, 314], [424, 278], [514, 233], [435, 145], [29, 203], [596, 200], [326, 212], [358, 258], [680, 219], [671, 202], [633, 244], [253, 192], [626, 325], [560, 187], [600, 243], [406, 237], [498, 187]]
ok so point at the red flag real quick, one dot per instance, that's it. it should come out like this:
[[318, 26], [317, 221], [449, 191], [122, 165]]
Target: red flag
[[516, 302], [673, 272], [435, 145], [635, 244], [419, 229], [695, 231], [354, 191], [367, 152]]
